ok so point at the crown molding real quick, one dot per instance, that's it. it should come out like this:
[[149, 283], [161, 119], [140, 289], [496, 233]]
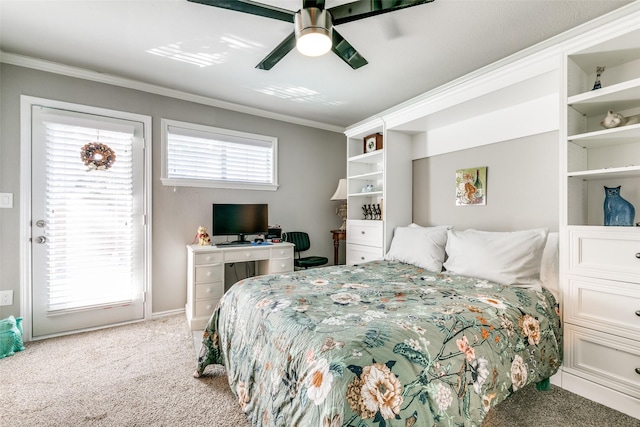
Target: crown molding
[[82, 73]]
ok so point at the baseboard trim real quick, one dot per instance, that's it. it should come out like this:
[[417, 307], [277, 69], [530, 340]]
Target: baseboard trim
[[160, 314], [600, 394]]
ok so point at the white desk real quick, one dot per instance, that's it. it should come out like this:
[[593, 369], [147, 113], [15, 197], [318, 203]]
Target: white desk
[[205, 273]]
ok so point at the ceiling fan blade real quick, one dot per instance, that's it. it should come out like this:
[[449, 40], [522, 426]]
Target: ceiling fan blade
[[250, 7], [365, 8], [348, 53], [278, 53]]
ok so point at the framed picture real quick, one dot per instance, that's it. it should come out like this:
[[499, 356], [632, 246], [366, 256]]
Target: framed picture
[[372, 143], [471, 186]]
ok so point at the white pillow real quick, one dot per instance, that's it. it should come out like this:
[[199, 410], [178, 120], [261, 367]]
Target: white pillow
[[420, 246], [549, 268], [508, 258]]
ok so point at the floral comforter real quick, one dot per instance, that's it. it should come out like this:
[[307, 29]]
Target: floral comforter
[[379, 344]]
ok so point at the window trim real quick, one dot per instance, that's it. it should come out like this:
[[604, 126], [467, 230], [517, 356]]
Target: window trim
[[182, 182]]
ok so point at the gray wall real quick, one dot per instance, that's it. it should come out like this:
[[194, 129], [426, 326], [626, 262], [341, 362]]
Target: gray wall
[[311, 161], [522, 186]]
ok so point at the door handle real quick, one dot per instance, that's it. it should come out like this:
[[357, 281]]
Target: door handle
[[41, 239]]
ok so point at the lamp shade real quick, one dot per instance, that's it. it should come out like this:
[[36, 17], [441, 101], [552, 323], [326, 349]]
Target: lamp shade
[[313, 29], [341, 191]]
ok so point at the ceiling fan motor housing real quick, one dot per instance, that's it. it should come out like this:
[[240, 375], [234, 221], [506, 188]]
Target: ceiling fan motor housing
[[313, 28]]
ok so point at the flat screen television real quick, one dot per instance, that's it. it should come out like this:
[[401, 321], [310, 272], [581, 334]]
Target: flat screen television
[[241, 220]]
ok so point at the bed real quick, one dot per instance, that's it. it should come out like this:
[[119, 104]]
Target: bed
[[396, 342]]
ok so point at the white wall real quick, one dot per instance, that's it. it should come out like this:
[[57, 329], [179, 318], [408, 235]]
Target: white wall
[[310, 165]]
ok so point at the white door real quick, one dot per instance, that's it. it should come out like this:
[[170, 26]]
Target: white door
[[87, 221]]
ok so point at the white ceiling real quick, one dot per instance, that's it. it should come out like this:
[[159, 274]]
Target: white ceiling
[[409, 51]]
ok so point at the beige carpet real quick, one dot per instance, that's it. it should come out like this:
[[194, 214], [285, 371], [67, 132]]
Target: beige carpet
[[141, 375], [133, 375]]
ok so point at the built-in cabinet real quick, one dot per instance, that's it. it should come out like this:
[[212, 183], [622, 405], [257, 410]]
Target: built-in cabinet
[[370, 176], [601, 265]]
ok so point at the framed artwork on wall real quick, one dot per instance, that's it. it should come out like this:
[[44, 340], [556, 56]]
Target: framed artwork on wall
[[471, 186]]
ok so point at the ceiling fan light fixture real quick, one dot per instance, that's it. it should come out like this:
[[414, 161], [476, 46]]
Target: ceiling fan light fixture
[[313, 31]]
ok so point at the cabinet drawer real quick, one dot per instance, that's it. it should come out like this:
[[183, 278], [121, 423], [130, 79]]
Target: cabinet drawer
[[357, 254], [205, 308], [603, 358], [247, 255], [208, 258], [604, 305], [607, 252], [209, 290], [209, 273], [368, 233]]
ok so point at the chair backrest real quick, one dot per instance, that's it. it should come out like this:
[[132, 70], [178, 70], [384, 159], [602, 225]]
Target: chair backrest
[[299, 238]]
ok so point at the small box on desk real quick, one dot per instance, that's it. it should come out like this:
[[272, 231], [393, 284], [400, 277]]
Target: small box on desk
[[274, 233]]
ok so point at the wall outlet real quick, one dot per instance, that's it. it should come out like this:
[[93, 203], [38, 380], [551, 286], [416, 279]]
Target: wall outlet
[[6, 298], [6, 200]]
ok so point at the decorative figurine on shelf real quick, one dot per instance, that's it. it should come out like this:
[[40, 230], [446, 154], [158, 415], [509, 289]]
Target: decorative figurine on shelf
[[597, 84], [617, 211], [203, 237], [372, 211], [614, 120], [366, 210]]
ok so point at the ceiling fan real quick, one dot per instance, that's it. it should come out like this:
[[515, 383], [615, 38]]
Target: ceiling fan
[[314, 33]]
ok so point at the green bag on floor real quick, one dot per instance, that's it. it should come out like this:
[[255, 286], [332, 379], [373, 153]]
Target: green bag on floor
[[10, 336]]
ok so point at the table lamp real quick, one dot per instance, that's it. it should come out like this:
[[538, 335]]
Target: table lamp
[[341, 194]]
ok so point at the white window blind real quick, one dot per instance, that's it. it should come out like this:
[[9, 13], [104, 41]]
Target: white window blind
[[203, 156], [89, 219]]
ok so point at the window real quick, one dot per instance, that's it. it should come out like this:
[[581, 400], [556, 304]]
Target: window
[[204, 156]]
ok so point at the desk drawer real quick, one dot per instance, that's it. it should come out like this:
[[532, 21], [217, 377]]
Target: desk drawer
[[368, 233], [209, 290], [603, 358], [205, 308], [282, 252], [280, 265], [247, 255], [208, 258], [211, 273]]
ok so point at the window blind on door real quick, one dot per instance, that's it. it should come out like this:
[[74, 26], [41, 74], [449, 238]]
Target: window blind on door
[[89, 218]]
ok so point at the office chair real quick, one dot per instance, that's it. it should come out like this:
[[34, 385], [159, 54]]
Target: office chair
[[301, 241]]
